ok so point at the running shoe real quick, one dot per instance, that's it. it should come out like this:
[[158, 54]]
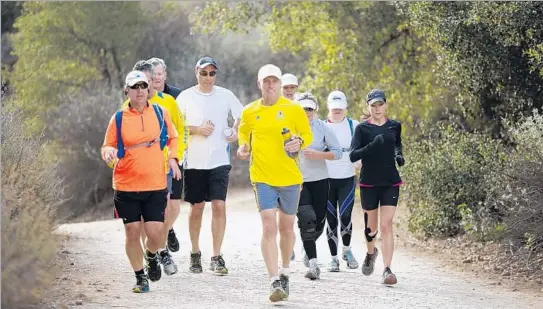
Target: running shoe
[[218, 266], [196, 262], [369, 263]]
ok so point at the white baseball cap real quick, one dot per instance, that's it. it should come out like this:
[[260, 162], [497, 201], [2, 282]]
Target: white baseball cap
[[135, 77], [336, 99], [269, 70], [306, 100], [289, 79]]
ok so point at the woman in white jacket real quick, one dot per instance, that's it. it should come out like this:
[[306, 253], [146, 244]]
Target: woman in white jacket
[[342, 182]]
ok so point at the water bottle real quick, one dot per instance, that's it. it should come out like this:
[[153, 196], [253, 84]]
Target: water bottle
[[228, 132], [287, 137]]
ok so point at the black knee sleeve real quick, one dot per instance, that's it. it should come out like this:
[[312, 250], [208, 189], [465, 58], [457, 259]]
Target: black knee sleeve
[[367, 230], [307, 222]]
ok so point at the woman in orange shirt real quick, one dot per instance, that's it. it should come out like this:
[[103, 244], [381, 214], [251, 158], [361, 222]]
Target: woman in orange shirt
[[139, 181]]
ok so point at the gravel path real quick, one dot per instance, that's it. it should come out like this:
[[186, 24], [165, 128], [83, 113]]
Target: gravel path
[[100, 276]]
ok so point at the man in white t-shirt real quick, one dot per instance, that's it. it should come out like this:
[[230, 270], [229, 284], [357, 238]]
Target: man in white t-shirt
[[207, 163], [342, 182]]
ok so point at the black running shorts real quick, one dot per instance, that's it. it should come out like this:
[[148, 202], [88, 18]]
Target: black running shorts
[[177, 187], [373, 197], [132, 206], [206, 185]]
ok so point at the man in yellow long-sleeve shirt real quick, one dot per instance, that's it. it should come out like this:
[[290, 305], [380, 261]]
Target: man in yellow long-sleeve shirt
[[274, 169], [172, 211]]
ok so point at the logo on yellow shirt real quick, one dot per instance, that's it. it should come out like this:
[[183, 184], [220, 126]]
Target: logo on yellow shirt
[[280, 115]]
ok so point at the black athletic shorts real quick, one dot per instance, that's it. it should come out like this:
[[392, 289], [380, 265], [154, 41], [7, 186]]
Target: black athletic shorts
[[132, 206], [177, 187], [206, 185], [373, 197]]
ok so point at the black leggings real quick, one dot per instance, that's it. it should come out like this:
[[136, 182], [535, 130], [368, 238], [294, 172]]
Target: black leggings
[[342, 195], [312, 205]]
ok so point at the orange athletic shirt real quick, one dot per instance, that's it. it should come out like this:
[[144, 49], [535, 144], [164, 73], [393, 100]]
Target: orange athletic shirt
[[142, 168]]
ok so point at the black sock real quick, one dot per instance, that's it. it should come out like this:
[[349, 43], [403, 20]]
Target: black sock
[[149, 254], [139, 272]]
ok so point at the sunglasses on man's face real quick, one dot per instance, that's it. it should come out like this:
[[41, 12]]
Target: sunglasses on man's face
[[205, 73], [309, 109], [139, 86]]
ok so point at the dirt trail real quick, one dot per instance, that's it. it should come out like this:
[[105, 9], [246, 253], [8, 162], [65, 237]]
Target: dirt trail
[[100, 276]]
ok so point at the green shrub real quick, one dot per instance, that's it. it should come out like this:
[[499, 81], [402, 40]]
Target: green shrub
[[520, 195], [447, 179]]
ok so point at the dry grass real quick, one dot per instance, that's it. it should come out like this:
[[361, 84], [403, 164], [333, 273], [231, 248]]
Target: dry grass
[[30, 193]]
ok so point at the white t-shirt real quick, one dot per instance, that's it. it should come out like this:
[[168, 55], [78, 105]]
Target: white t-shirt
[[213, 151], [342, 168]]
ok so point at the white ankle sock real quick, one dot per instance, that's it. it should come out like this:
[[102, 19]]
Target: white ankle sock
[[346, 248], [284, 271], [274, 278]]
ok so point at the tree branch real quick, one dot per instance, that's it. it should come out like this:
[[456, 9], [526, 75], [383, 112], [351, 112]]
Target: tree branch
[[393, 37]]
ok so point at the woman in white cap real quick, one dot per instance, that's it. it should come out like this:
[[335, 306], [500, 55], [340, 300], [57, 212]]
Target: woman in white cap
[[314, 196], [342, 182], [289, 84], [377, 142]]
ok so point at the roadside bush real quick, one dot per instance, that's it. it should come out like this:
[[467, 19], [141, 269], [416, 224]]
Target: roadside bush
[[31, 191], [78, 127], [521, 196], [448, 181]]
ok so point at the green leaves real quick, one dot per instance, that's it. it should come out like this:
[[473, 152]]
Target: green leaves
[[350, 46], [490, 55], [62, 48], [449, 178]]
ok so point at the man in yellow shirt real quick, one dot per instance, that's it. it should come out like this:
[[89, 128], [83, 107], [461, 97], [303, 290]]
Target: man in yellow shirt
[[172, 210], [272, 131]]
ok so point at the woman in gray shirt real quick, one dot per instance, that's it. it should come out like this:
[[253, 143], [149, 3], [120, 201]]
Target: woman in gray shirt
[[314, 196]]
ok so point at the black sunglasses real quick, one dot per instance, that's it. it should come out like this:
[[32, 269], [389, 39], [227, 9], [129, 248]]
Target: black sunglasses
[[139, 86], [309, 109], [205, 73]]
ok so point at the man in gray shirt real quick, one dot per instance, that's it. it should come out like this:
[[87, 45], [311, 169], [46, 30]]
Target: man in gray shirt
[[314, 195]]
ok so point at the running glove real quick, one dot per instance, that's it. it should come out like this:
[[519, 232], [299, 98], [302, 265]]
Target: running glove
[[400, 160]]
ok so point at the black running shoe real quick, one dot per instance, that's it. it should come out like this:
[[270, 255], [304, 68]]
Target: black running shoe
[[153, 268], [142, 284], [196, 262], [285, 284], [173, 243]]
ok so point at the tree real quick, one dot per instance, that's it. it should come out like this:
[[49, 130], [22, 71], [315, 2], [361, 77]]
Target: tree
[[351, 46], [64, 47], [490, 53]]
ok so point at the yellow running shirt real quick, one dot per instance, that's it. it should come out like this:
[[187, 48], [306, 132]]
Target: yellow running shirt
[[260, 127]]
